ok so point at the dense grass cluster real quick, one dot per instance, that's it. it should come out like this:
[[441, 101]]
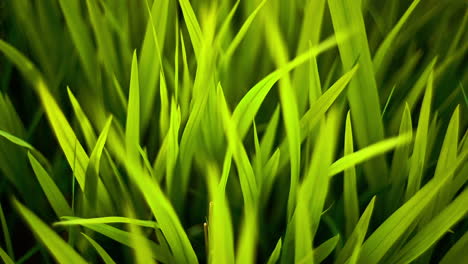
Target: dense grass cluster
[[249, 131]]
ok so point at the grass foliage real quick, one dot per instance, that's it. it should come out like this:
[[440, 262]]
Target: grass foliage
[[265, 131]]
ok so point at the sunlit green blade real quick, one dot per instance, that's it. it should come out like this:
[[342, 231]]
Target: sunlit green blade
[[81, 36], [25, 145], [61, 251], [381, 57], [132, 128], [363, 94], [106, 220], [6, 233], [124, 238], [353, 244], [325, 249], [85, 124], [350, 195], [274, 257], [381, 241], [54, 195], [105, 257], [243, 31], [420, 144], [246, 249], [367, 153], [458, 252], [6, 259], [433, 231], [193, 27], [92, 171]]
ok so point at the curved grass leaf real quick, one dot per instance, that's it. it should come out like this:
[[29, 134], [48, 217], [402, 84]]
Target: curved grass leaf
[[4, 256], [105, 257], [54, 195], [457, 252], [274, 257], [105, 220], [61, 251], [84, 122], [193, 27]]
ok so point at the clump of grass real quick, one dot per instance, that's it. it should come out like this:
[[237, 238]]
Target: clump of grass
[[225, 131]]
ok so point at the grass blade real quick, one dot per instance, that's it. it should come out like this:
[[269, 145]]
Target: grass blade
[[4, 256], [350, 195], [274, 257], [105, 257], [61, 251]]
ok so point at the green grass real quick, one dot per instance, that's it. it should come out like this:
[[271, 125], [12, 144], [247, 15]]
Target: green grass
[[265, 131]]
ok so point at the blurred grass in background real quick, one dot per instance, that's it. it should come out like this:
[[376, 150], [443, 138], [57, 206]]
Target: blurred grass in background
[[233, 131]]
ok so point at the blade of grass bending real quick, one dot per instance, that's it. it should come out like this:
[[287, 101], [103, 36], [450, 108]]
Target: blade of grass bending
[[61, 251], [132, 128], [6, 234], [269, 136], [142, 250], [274, 257], [193, 27], [15, 140], [105, 220], [4, 256], [322, 252], [420, 144], [279, 54], [92, 171], [173, 144], [54, 195], [81, 36], [381, 57], [457, 253], [223, 30], [363, 95], [318, 109], [350, 195], [248, 106], [163, 211], [102, 253], [387, 234], [367, 153], [246, 174], [433, 231], [220, 235], [400, 164], [353, 244], [246, 249], [125, 238], [84, 122], [242, 32]]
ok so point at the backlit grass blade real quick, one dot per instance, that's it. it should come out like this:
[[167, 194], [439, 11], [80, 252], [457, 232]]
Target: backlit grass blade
[[142, 250], [81, 36], [274, 257], [457, 252], [247, 108], [173, 144], [354, 242], [54, 195], [92, 171], [25, 145], [223, 30], [243, 31], [4, 256], [350, 195], [68, 221], [105, 257], [318, 109], [400, 164], [61, 251], [381, 241], [420, 144], [246, 174], [433, 231], [269, 136], [85, 124], [363, 94], [132, 128], [246, 248], [381, 57], [220, 234], [367, 153], [325, 249], [279, 54], [193, 27], [125, 238], [6, 233]]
